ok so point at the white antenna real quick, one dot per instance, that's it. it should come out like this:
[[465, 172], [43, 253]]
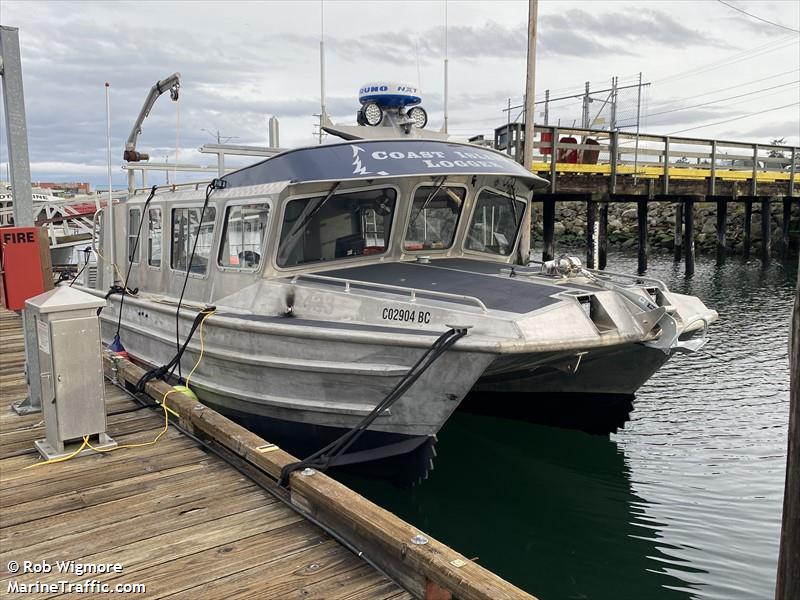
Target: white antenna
[[444, 127], [419, 72], [321, 67], [178, 140], [110, 207]]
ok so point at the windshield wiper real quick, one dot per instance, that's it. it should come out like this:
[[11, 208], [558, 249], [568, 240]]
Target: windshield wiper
[[427, 201], [292, 235], [512, 190]]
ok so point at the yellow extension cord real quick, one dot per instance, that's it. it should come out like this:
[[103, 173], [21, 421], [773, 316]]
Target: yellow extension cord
[[105, 260], [163, 404]]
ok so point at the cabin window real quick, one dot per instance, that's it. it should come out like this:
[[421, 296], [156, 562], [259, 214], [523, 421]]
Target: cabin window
[[243, 236], [336, 227], [434, 218], [495, 221], [134, 216], [154, 237], [186, 228]]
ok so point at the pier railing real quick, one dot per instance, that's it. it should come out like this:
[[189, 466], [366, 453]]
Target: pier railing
[[571, 156]]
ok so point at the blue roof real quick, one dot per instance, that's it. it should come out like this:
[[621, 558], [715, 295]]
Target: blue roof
[[371, 159]]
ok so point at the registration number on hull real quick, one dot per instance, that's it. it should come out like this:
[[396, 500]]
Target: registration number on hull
[[406, 315]]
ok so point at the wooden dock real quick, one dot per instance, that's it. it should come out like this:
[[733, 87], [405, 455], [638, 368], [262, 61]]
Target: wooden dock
[[184, 523]]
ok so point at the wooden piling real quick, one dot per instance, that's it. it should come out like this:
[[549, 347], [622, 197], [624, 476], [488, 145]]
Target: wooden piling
[[603, 234], [748, 223], [591, 219], [641, 215], [688, 233], [548, 228], [722, 226], [787, 217], [678, 231], [788, 581], [766, 231]]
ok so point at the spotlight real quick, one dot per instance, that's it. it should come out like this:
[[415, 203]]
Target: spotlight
[[419, 117], [371, 114]]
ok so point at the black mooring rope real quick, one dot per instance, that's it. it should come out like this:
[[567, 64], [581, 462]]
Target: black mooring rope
[[327, 456]]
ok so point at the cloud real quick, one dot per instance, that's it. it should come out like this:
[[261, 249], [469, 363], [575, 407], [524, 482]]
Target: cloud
[[253, 60], [689, 116], [574, 33], [769, 131], [634, 27]]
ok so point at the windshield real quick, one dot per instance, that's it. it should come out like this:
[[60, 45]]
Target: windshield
[[332, 227], [434, 217], [495, 222]]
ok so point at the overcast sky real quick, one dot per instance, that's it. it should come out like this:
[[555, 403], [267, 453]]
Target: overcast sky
[[241, 62]]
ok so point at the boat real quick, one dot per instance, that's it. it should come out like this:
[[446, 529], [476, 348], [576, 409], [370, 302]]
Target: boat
[[327, 278], [67, 222]]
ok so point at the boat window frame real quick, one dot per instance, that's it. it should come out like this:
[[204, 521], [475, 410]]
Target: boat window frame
[[505, 257], [161, 254], [214, 241], [241, 202], [344, 260], [134, 258], [459, 221]]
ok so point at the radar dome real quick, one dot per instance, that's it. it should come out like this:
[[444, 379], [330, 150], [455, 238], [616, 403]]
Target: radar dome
[[388, 94]]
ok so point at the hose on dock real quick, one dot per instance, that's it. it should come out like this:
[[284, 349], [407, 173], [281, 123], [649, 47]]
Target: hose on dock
[[329, 455]]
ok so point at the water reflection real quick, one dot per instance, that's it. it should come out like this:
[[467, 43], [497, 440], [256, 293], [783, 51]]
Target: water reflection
[[550, 509]]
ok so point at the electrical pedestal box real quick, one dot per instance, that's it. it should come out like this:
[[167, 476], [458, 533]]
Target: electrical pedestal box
[[71, 364]]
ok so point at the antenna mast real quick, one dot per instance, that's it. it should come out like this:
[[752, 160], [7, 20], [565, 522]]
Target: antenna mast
[[110, 207], [444, 127], [321, 67]]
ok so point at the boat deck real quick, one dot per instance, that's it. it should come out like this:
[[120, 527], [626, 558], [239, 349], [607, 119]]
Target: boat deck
[[182, 522]]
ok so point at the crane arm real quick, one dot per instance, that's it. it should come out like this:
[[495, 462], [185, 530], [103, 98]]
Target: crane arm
[[171, 83]]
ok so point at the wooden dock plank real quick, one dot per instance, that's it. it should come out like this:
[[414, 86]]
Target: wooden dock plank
[[181, 521], [196, 571], [102, 506]]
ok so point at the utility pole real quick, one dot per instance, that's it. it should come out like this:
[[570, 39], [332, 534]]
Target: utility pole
[[20, 175], [586, 101], [613, 103], [547, 107], [530, 115], [508, 129]]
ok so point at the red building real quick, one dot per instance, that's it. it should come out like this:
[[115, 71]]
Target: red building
[[71, 189]]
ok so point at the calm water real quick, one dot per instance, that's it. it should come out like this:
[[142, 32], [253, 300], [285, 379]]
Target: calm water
[[683, 502]]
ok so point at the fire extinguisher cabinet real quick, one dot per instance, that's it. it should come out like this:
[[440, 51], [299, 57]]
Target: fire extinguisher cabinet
[[70, 360]]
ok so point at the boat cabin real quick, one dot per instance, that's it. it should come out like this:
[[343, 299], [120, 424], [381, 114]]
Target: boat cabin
[[325, 208]]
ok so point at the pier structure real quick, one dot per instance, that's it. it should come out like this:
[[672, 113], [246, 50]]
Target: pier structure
[[198, 513], [597, 168]]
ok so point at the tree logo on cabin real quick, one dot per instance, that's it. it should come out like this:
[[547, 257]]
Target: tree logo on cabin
[[358, 167]]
